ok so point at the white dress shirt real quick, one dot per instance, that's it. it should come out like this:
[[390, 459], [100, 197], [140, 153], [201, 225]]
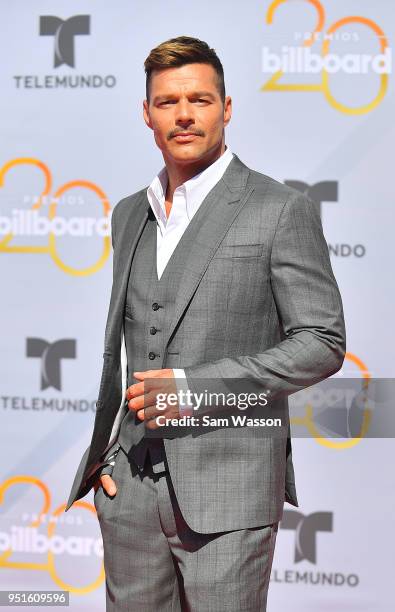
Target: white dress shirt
[[186, 201]]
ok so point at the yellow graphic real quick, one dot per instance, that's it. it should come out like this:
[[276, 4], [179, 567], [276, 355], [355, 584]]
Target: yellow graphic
[[49, 566], [308, 421], [324, 87], [50, 248]]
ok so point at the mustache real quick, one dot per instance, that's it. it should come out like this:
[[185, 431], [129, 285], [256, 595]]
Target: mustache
[[173, 133]]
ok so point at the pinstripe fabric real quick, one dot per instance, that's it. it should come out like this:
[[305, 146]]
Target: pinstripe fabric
[[256, 299], [154, 561]]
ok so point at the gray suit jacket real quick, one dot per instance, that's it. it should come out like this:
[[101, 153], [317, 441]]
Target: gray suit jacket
[[257, 300]]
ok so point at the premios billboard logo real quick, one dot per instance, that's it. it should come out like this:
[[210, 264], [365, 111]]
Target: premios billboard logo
[[51, 221], [336, 413], [362, 51], [45, 540]]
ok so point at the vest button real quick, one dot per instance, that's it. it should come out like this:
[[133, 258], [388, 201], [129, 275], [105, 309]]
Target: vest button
[[151, 355], [155, 306], [152, 331]]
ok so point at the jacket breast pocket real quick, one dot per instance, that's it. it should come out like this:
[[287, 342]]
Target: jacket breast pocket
[[238, 251]]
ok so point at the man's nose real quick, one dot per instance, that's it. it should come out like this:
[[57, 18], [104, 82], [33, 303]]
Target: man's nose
[[184, 112]]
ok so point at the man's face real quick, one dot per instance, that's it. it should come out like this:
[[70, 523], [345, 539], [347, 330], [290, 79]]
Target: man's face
[[186, 112]]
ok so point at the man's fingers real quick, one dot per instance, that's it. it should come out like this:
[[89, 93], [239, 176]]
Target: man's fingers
[[144, 415], [141, 395], [150, 412], [147, 374], [108, 484], [135, 390], [137, 403]]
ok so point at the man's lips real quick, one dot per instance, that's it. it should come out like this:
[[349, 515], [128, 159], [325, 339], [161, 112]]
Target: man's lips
[[184, 136]]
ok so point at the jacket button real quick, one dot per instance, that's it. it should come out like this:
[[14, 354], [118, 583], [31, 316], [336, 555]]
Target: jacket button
[[151, 355], [155, 306], [152, 331]]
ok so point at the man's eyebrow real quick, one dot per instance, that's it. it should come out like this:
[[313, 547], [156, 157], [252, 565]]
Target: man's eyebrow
[[203, 94], [194, 94]]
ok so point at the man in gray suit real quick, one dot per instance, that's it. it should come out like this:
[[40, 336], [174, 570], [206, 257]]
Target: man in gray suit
[[221, 274]]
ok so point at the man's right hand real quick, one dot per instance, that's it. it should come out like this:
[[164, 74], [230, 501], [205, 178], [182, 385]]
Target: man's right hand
[[104, 478], [107, 483]]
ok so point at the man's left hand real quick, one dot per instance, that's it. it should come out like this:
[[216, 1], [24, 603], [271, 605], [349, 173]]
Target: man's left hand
[[142, 396]]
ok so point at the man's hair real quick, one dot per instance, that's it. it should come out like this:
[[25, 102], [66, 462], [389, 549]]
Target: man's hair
[[179, 51]]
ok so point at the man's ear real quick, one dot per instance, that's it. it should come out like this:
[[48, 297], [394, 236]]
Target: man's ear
[[227, 110], [146, 115]]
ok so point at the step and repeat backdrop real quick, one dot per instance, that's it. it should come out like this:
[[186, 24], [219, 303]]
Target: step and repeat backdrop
[[313, 94]]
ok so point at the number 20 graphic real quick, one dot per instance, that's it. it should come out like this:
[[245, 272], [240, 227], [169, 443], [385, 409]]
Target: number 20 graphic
[[324, 87], [49, 565], [50, 248]]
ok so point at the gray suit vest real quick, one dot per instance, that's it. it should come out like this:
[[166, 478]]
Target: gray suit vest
[[149, 306]]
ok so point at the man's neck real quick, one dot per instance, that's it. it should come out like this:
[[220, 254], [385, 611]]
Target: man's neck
[[179, 173]]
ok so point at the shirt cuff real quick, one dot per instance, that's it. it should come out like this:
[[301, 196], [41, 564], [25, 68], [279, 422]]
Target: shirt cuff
[[185, 408], [110, 460]]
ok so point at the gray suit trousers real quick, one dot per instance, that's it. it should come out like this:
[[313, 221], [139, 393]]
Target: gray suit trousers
[[154, 561]]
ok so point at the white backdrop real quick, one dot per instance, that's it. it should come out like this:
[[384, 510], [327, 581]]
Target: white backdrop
[[72, 129]]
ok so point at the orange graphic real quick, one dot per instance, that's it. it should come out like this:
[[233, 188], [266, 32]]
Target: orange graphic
[[48, 566], [273, 82], [50, 248], [308, 421]]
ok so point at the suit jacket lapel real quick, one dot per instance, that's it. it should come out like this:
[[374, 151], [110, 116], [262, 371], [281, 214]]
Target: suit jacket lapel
[[227, 199], [125, 247], [127, 239]]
